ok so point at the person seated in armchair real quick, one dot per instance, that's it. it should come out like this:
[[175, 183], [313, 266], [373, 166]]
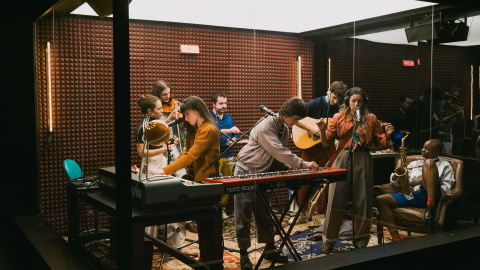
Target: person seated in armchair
[[430, 178]]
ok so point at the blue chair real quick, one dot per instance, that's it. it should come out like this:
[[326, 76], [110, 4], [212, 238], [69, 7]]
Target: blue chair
[[74, 172], [72, 169]]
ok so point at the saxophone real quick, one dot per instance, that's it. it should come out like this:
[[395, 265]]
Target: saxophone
[[402, 172]]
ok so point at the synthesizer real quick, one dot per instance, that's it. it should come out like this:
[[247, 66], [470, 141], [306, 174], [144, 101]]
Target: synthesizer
[[257, 181], [163, 190]]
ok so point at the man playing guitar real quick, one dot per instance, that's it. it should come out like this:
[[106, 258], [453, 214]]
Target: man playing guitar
[[321, 107]]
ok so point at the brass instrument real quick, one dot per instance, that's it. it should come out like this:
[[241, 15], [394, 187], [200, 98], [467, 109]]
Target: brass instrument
[[401, 172]]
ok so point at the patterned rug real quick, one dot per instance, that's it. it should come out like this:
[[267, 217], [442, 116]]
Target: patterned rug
[[301, 238], [308, 249]]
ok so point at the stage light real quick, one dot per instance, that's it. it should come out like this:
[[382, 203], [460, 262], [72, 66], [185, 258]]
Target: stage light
[[49, 89], [329, 69], [299, 76]]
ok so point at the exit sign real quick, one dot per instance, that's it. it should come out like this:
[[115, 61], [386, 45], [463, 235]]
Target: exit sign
[[408, 63], [191, 49]]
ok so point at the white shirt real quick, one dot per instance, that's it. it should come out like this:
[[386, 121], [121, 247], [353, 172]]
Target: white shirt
[[415, 169]]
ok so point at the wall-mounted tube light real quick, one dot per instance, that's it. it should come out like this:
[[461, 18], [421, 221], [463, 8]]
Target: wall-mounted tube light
[[49, 89], [329, 68], [471, 92], [299, 76]]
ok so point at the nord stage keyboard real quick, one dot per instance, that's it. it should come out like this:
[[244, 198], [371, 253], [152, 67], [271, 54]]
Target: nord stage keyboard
[[251, 182], [163, 190]]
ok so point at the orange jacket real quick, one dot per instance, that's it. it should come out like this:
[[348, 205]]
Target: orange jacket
[[205, 149]]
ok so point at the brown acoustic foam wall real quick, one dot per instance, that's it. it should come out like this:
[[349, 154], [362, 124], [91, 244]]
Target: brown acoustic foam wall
[[379, 71], [253, 69]]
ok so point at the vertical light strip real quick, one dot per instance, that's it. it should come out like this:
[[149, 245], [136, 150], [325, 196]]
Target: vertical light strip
[[299, 76], [471, 92], [49, 89], [329, 69]]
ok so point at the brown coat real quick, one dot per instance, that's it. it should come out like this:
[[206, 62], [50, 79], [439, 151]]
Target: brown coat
[[205, 148]]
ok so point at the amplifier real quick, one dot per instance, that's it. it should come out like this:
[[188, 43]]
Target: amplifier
[[163, 190]]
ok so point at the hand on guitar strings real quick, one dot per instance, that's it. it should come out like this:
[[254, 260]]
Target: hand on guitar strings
[[321, 125]]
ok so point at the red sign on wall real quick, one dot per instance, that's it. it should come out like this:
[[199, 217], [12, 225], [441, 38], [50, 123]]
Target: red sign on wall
[[190, 49], [408, 63]]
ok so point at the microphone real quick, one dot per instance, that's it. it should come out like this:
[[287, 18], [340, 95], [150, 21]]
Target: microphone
[[266, 110], [358, 113], [328, 94], [176, 121]]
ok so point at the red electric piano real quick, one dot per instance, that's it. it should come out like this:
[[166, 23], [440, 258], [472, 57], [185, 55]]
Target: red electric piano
[[268, 181]]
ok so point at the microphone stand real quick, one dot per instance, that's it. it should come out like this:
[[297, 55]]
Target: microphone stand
[[228, 137], [235, 142], [350, 163], [169, 154]]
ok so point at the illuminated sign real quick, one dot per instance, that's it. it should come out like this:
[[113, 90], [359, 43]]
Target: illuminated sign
[[190, 49]]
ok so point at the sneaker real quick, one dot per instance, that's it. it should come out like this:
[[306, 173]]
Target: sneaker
[[276, 255], [245, 263], [326, 250], [301, 219], [429, 213]]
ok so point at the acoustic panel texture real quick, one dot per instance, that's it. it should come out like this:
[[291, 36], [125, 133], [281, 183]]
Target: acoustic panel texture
[[253, 68]]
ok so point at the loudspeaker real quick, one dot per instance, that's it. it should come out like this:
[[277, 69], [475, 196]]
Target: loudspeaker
[[451, 32], [443, 32], [422, 32]]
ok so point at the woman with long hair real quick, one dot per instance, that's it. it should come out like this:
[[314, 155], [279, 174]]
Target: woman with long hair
[[151, 107], [170, 106], [202, 146], [368, 132]]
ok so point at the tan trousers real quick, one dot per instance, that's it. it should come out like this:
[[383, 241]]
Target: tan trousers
[[338, 197]]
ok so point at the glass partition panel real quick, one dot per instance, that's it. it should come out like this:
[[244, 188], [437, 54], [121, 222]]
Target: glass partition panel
[[75, 119], [453, 72], [255, 54]]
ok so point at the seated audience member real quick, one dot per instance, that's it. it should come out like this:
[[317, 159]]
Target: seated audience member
[[430, 178], [422, 124], [399, 120]]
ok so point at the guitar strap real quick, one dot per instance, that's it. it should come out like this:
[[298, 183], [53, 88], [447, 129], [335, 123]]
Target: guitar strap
[[341, 145]]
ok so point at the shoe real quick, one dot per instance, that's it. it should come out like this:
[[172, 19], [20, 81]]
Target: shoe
[[245, 263], [224, 215], [301, 219], [276, 255], [191, 227], [326, 250], [429, 213]]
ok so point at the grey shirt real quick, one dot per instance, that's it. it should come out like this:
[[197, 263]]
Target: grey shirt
[[264, 146]]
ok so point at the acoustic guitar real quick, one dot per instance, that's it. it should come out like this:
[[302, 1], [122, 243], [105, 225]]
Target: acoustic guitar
[[303, 138]]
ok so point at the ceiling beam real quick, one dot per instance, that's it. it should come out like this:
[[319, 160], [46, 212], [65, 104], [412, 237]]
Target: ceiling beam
[[399, 20]]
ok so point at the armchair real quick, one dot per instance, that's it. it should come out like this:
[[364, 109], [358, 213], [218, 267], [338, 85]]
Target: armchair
[[411, 219]]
